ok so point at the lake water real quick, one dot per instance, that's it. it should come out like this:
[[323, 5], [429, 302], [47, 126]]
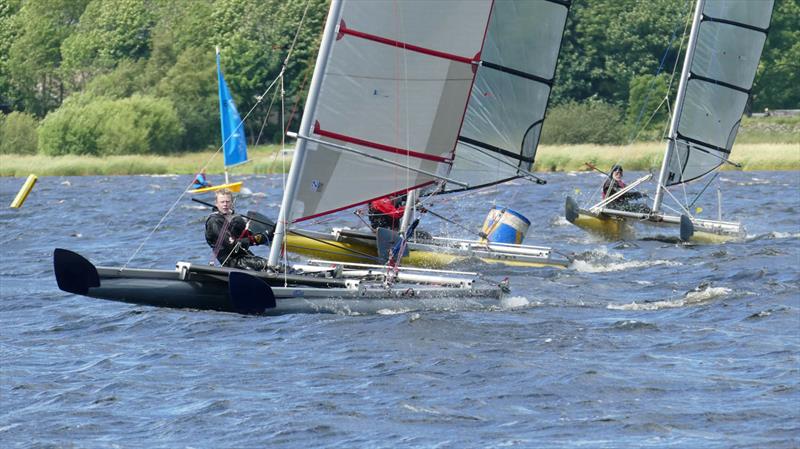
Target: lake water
[[638, 344]]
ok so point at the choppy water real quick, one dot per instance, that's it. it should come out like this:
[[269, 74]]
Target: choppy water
[[639, 344]]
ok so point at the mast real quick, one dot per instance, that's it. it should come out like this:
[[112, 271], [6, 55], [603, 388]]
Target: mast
[[673, 128], [306, 126], [408, 212], [216, 49]]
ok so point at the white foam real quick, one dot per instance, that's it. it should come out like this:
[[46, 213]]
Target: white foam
[[561, 221], [785, 235], [393, 311], [691, 298], [514, 302], [584, 266]]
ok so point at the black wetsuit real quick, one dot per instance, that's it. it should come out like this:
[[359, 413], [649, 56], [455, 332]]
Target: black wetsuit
[[628, 201], [230, 241]]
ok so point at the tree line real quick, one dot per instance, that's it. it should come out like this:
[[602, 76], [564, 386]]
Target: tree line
[[138, 76]]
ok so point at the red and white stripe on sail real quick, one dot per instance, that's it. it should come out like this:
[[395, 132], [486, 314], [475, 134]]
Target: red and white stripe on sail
[[396, 86]]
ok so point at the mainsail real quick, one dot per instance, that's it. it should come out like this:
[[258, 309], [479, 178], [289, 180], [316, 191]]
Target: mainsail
[[396, 87], [507, 104], [722, 62], [233, 138]]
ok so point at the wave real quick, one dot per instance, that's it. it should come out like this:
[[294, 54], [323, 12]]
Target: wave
[[702, 294], [774, 235], [514, 302], [601, 261]]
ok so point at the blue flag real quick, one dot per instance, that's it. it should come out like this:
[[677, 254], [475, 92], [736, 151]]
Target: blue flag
[[235, 142]]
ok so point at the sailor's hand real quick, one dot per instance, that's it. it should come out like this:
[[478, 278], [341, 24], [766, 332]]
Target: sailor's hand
[[259, 239], [422, 209]]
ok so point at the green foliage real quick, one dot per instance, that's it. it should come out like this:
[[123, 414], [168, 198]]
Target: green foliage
[[34, 57], [135, 125], [109, 31], [8, 32], [82, 51], [647, 113], [590, 122], [777, 83], [608, 42], [18, 134], [127, 79], [191, 85]]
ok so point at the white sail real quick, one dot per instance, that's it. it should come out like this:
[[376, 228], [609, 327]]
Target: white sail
[[507, 104], [724, 59], [396, 86]]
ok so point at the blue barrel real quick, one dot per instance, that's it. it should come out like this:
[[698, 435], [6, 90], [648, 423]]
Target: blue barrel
[[504, 225]]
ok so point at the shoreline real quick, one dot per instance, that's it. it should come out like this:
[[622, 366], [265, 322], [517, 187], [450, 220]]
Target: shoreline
[[270, 159]]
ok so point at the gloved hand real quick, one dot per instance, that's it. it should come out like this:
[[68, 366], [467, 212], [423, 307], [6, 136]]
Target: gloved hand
[[422, 209], [259, 239]]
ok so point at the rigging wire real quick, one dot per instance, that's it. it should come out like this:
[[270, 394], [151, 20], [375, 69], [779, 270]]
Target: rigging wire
[[221, 147], [637, 128]]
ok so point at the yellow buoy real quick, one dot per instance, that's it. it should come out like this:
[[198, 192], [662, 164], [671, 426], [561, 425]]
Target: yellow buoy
[[24, 191]]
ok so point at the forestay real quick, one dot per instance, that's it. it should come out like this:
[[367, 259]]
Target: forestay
[[396, 86], [727, 49], [507, 104]]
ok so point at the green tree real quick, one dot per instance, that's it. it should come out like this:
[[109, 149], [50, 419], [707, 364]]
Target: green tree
[[608, 42], [103, 126], [777, 83], [191, 85], [8, 31], [592, 121], [109, 31], [34, 58], [647, 112], [18, 134]]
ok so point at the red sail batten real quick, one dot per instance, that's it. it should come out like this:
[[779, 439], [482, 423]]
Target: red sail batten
[[343, 30], [377, 146], [402, 191]]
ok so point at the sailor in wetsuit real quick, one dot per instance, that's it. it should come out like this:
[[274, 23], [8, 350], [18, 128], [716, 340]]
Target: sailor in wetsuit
[[227, 234], [628, 200]]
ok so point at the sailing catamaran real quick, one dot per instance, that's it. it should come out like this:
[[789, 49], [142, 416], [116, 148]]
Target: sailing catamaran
[[234, 140], [725, 44], [496, 141], [396, 133]]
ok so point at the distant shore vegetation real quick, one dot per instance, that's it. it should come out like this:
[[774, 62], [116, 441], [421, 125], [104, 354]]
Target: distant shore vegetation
[[110, 87]]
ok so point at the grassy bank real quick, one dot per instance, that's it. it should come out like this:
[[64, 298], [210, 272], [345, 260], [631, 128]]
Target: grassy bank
[[268, 159], [644, 156], [264, 159]]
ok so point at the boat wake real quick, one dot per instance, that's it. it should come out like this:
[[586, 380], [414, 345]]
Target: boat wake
[[700, 295]]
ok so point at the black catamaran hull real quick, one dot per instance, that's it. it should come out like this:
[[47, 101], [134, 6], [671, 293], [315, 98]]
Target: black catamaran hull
[[616, 224], [247, 292]]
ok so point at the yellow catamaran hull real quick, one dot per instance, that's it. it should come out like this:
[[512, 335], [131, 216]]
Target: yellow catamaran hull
[[616, 225], [360, 250]]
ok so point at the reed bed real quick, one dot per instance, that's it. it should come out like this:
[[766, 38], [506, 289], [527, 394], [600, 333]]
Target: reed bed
[[264, 159], [269, 159], [648, 155]]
